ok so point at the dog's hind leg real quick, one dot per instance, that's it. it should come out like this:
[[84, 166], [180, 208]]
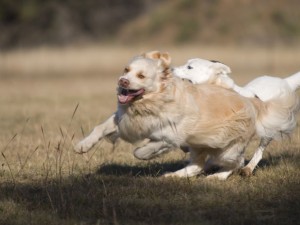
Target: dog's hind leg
[[230, 160], [248, 169], [109, 127], [152, 149]]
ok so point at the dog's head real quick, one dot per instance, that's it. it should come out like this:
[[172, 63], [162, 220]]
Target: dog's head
[[144, 74], [201, 70]]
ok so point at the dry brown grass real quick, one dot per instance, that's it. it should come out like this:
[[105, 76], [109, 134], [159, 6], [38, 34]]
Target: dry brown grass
[[43, 182]]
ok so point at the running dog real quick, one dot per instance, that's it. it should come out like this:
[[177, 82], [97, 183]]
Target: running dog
[[153, 104], [266, 88]]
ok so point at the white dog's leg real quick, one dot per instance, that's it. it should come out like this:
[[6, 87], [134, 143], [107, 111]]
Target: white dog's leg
[[220, 175], [100, 131], [194, 168], [248, 169], [152, 149], [190, 170]]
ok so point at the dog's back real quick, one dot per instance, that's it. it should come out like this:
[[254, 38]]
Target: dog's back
[[213, 115]]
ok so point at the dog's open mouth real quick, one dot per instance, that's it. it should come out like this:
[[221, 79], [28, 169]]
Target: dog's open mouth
[[127, 95]]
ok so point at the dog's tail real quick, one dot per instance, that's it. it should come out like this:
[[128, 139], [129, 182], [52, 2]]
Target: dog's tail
[[277, 117], [294, 81]]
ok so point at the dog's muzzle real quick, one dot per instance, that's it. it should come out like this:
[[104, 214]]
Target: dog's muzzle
[[124, 83]]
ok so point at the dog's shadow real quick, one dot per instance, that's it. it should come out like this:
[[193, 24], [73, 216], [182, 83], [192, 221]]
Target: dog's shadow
[[157, 169], [150, 169]]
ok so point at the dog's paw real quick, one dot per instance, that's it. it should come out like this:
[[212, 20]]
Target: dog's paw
[[170, 174], [81, 147], [220, 175], [246, 172], [173, 175], [215, 177]]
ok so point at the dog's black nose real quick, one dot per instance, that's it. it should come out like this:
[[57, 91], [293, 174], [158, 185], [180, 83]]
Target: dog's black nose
[[124, 83]]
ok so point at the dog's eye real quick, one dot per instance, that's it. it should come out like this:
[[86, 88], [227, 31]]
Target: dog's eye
[[126, 70], [141, 76], [189, 67]]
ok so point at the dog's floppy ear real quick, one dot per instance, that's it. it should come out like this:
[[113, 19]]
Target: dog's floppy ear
[[164, 57], [152, 55]]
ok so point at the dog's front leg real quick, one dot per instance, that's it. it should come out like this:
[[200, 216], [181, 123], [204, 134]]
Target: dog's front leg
[[194, 168], [190, 170], [109, 127], [152, 149]]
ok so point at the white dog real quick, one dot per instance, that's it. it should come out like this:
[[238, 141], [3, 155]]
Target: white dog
[[170, 112], [200, 71], [266, 88]]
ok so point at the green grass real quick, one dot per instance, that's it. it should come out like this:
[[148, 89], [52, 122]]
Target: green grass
[[42, 181]]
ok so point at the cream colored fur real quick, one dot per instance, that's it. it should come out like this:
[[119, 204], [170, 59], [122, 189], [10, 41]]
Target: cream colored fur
[[170, 112], [278, 114]]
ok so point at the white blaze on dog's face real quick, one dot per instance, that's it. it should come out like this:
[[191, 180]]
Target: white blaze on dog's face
[[201, 70], [144, 74]]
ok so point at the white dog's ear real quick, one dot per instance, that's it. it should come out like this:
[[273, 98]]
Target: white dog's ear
[[164, 57], [220, 68]]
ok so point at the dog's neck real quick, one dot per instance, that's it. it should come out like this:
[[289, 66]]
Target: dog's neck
[[151, 103]]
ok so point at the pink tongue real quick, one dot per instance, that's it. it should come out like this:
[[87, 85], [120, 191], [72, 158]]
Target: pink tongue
[[125, 98]]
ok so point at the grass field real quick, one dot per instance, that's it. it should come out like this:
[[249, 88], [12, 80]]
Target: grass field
[[51, 98]]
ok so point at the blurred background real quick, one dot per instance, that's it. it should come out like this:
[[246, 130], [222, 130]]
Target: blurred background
[[74, 33], [30, 23], [185, 28], [55, 54]]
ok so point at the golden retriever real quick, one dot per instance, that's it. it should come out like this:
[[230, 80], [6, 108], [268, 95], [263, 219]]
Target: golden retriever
[[171, 112]]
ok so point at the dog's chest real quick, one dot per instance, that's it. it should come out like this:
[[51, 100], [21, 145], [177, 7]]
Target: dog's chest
[[134, 128]]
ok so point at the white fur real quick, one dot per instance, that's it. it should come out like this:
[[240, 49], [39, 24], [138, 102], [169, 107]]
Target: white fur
[[206, 68], [220, 175], [98, 133], [200, 71], [188, 171]]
